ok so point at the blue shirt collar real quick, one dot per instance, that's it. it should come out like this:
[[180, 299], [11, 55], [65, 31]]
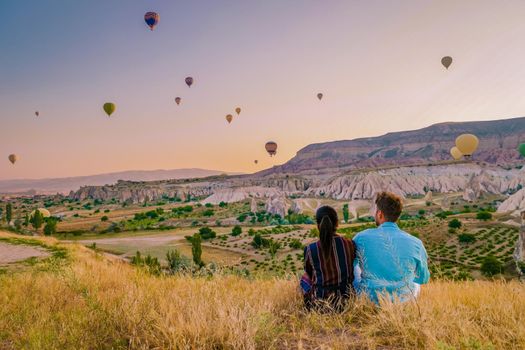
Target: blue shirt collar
[[389, 224]]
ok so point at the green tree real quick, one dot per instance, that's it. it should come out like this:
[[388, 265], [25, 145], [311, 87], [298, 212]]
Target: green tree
[[491, 266], [37, 220], [9, 213], [51, 227], [236, 231], [346, 213], [454, 223], [207, 233], [26, 220], [484, 215], [104, 218], [196, 249]]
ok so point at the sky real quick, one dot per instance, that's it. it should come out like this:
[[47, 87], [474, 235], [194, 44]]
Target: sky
[[376, 62]]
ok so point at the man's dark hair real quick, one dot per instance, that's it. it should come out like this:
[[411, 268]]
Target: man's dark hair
[[390, 205]]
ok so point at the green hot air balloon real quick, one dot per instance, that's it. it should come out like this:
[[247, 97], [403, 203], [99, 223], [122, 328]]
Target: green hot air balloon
[[521, 149], [109, 108]]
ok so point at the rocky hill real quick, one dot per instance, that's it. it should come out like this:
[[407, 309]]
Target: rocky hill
[[499, 140], [64, 185]]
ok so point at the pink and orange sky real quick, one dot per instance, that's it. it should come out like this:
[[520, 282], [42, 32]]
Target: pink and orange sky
[[377, 63]]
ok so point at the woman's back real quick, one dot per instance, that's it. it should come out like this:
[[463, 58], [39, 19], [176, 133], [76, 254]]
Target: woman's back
[[330, 271]]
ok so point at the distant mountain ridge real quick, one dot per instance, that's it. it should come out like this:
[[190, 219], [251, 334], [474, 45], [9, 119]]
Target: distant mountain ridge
[[499, 140], [67, 184]]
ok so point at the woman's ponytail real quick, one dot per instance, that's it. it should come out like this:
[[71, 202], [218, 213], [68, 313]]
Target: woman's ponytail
[[327, 220]]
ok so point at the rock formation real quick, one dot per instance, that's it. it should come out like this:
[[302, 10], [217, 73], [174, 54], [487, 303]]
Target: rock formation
[[515, 204]]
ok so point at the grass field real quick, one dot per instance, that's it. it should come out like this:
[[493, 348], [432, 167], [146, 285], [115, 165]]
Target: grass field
[[83, 300]]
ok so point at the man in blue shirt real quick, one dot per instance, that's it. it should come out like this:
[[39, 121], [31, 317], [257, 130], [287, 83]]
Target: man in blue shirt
[[391, 262]]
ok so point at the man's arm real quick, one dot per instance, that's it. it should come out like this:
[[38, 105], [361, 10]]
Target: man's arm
[[422, 272]]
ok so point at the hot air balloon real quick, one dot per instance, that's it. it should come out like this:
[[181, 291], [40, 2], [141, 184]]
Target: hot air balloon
[[13, 158], [446, 61], [320, 96], [37, 113], [189, 81], [229, 118], [238, 110], [467, 144], [456, 153], [256, 161], [177, 100], [109, 108], [521, 149], [271, 148], [152, 19], [44, 212]]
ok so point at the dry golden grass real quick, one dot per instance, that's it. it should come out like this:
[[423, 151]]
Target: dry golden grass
[[96, 303]]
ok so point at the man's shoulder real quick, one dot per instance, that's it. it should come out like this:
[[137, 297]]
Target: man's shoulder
[[365, 233], [411, 237]]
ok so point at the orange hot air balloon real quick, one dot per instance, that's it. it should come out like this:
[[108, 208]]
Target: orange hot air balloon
[[238, 110], [177, 100], [256, 161], [229, 118], [271, 148], [13, 158]]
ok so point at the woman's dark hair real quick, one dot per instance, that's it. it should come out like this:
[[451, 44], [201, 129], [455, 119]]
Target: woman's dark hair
[[327, 222]]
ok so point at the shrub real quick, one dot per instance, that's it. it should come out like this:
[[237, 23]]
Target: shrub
[[208, 213], [104, 218], [207, 233], [466, 238], [176, 262], [295, 244], [491, 266], [51, 227], [454, 223], [314, 232], [484, 215], [236, 231]]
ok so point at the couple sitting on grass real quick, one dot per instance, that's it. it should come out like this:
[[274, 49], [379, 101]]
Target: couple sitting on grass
[[383, 262]]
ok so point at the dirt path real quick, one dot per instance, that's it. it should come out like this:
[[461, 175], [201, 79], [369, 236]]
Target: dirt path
[[10, 253]]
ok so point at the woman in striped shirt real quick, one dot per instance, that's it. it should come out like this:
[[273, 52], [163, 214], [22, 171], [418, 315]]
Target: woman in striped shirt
[[328, 263]]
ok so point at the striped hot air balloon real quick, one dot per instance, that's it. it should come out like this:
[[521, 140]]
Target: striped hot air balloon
[[151, 19]]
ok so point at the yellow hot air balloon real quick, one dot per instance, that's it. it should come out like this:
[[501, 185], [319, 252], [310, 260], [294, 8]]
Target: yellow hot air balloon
[[467, 144], [13, 158], [238, 110], [456, 153], [44, 212], [109, 108], [229, 118]]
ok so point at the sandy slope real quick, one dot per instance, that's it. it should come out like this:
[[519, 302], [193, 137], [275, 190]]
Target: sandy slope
[[11, 253]]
